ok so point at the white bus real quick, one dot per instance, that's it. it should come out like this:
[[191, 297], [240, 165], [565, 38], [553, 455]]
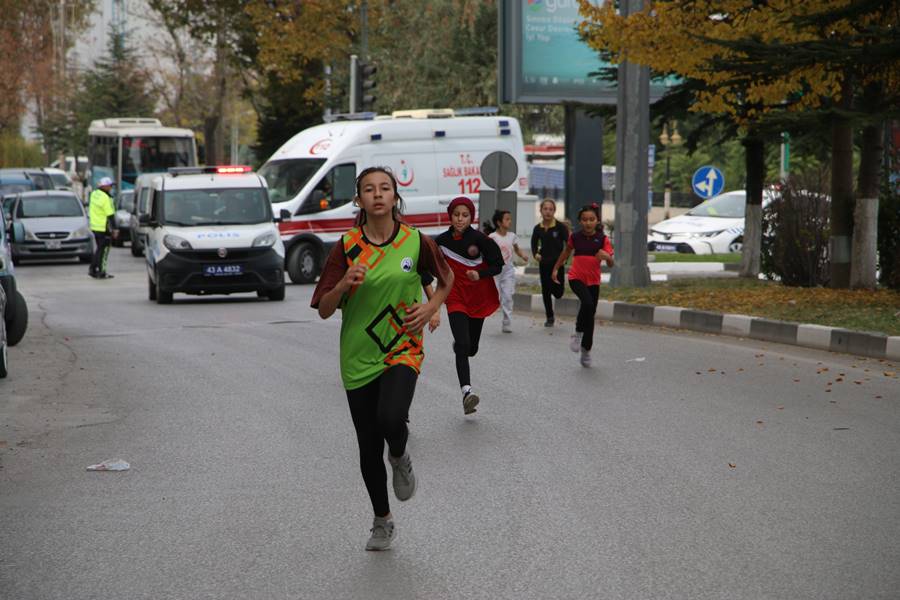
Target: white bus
[[124, 148]]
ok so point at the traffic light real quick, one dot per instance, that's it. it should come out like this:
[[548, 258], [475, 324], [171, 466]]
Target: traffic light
[[366, 81]]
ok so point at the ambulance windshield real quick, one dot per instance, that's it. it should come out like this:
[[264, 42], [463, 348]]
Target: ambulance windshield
[[287, 177]]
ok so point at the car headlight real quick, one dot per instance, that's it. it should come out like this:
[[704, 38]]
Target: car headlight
[[704, 234], [81, 232], [174, 242], [266, 239], [30, 236]]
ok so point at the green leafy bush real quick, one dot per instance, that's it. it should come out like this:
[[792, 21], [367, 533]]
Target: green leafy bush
[[16, 152]]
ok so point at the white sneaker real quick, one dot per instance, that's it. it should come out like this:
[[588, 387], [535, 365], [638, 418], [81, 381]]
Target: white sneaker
[[585, 358], [575, 342], [383, 533], [506, 327]]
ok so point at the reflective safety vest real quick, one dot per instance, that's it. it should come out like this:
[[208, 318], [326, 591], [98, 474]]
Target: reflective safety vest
[[100, 209]]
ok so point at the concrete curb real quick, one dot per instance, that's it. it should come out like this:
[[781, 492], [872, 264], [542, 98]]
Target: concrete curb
[[834, 339]]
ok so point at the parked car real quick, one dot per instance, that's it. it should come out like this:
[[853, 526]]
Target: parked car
[[13, 181], [15, 315], [124, 206], [141, 206], [715, 226], [53, 225], [4, 363], [60, 179]]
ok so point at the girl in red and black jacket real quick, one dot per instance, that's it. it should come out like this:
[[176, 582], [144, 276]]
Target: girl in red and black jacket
[[475, 259], [590, 246]]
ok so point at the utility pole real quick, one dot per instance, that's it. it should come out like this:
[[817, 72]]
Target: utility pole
[[364, 25], [632, 141], [354, 75]]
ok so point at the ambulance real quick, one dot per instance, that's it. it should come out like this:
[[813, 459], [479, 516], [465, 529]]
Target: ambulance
[[435, 154]]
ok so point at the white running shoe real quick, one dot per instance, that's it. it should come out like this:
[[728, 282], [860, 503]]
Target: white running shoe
[[585, 358], [506, 327], [575, 342], [383, 533]]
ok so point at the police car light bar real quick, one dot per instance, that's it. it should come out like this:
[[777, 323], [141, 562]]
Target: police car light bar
[[218, 169]]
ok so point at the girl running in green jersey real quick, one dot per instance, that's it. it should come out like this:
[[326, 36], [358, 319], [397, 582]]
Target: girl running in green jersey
[[374, 275]]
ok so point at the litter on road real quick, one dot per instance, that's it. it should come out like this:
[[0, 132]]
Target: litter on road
[[110, 465]]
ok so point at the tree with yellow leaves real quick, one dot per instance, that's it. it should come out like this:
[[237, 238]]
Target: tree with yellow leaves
[[739, 57]]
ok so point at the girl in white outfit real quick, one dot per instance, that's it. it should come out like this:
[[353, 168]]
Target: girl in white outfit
[[509, 244]]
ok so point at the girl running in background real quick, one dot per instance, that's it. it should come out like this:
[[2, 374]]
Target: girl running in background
[[475, 259], [374, 274], [591, 246], [508, 242], [547, 242]]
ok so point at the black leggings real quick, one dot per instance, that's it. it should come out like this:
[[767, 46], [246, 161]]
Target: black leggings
[[589, 295], [466, 335], [548, 287], [379, 411]]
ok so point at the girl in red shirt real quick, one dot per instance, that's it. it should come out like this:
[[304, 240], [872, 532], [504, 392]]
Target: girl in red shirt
[[475, 259], [590, 246]]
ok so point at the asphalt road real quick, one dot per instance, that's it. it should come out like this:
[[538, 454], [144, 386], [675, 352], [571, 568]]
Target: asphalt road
[[680, 466]]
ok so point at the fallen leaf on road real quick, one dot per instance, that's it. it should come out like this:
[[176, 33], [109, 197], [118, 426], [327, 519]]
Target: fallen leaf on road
[[828, 391], [740, 369], [889, 373], [759, 422], [732, 465], [638, 359], [878, 397], [796, 380], [711, 370], [699, 373], [839, 379], [779, 408], [858, 382], [841, 428], [758, 355]]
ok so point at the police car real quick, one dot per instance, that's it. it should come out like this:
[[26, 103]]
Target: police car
[[211, 231]]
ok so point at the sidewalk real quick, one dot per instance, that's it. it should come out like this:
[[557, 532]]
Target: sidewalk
[[833, 339]]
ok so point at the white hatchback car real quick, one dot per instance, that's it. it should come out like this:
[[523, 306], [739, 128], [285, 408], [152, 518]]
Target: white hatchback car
[[715, 226]]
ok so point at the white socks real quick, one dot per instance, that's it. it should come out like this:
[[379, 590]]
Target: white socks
[[466, 389]]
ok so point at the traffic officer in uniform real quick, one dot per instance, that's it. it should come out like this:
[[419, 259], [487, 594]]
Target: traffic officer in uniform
[[101, 211]]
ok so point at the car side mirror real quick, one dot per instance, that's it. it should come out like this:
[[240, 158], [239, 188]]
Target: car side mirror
[[284, 215], [17, 233]]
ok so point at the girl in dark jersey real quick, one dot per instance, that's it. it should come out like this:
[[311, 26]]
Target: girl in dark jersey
[[475, 260], [590, 247], [547, 242], [374, 274]]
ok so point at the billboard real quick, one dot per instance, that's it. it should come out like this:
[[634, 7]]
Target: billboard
[[542, 59]]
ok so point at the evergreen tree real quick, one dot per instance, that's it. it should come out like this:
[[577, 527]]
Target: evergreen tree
[[116, 86]]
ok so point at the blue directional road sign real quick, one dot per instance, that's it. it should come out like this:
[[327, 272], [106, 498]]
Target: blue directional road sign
[[708, 182]]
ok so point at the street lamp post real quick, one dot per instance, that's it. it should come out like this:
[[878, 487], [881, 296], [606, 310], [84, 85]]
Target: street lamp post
[[674, 141]]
